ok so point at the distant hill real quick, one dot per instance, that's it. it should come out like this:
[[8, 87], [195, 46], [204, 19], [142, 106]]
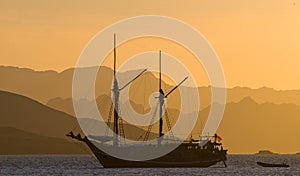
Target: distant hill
[[16, 142], [248, 127], [29, 127], [65, 105], [44, 86], [253, 119], [264, 95], [265, 152], [38, 85], [23, 113]]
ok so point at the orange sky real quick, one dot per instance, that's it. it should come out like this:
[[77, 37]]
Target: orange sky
[[258, 42]]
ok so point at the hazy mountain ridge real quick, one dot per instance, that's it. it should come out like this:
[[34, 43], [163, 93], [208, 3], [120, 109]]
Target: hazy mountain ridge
[[39, 85], [23, 113], [244, 123], [15, 142], [248, 127], [44, 86], [254, 119], [29, 127]]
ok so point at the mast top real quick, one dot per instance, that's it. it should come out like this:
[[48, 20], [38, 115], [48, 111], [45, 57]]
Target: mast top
[[160, 71], [115, 55]]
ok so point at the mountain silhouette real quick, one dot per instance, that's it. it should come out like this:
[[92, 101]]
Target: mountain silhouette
[[29, 127], [44, 86], [248, 127], [254, 119], [16, 142], [23, 113]]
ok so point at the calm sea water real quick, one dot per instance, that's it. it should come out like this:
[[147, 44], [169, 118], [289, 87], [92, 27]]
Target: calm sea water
[[88, 165]]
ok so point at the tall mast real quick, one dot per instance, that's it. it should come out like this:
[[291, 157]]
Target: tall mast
[[161, 103], [116, 97], [159, 70], [116, 93], [115, 55]]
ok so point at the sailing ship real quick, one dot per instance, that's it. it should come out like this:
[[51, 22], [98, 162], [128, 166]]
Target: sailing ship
[[189, 153]]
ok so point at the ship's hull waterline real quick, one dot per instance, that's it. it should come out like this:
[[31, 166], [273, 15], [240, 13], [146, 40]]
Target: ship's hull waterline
[[180, 157]]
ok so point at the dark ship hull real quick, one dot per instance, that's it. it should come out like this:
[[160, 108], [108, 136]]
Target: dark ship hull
[[185, 155]]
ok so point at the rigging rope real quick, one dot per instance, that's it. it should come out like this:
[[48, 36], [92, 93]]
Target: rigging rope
[[151, 124], [169, 123]]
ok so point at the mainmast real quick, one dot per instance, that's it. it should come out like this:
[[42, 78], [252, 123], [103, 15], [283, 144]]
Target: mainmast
[[116, 97], [161, 103], [115, 55], [161, 98]]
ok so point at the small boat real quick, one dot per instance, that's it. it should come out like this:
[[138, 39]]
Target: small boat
[[272, 165]]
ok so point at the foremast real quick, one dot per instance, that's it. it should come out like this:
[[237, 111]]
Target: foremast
[[116, 94]]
